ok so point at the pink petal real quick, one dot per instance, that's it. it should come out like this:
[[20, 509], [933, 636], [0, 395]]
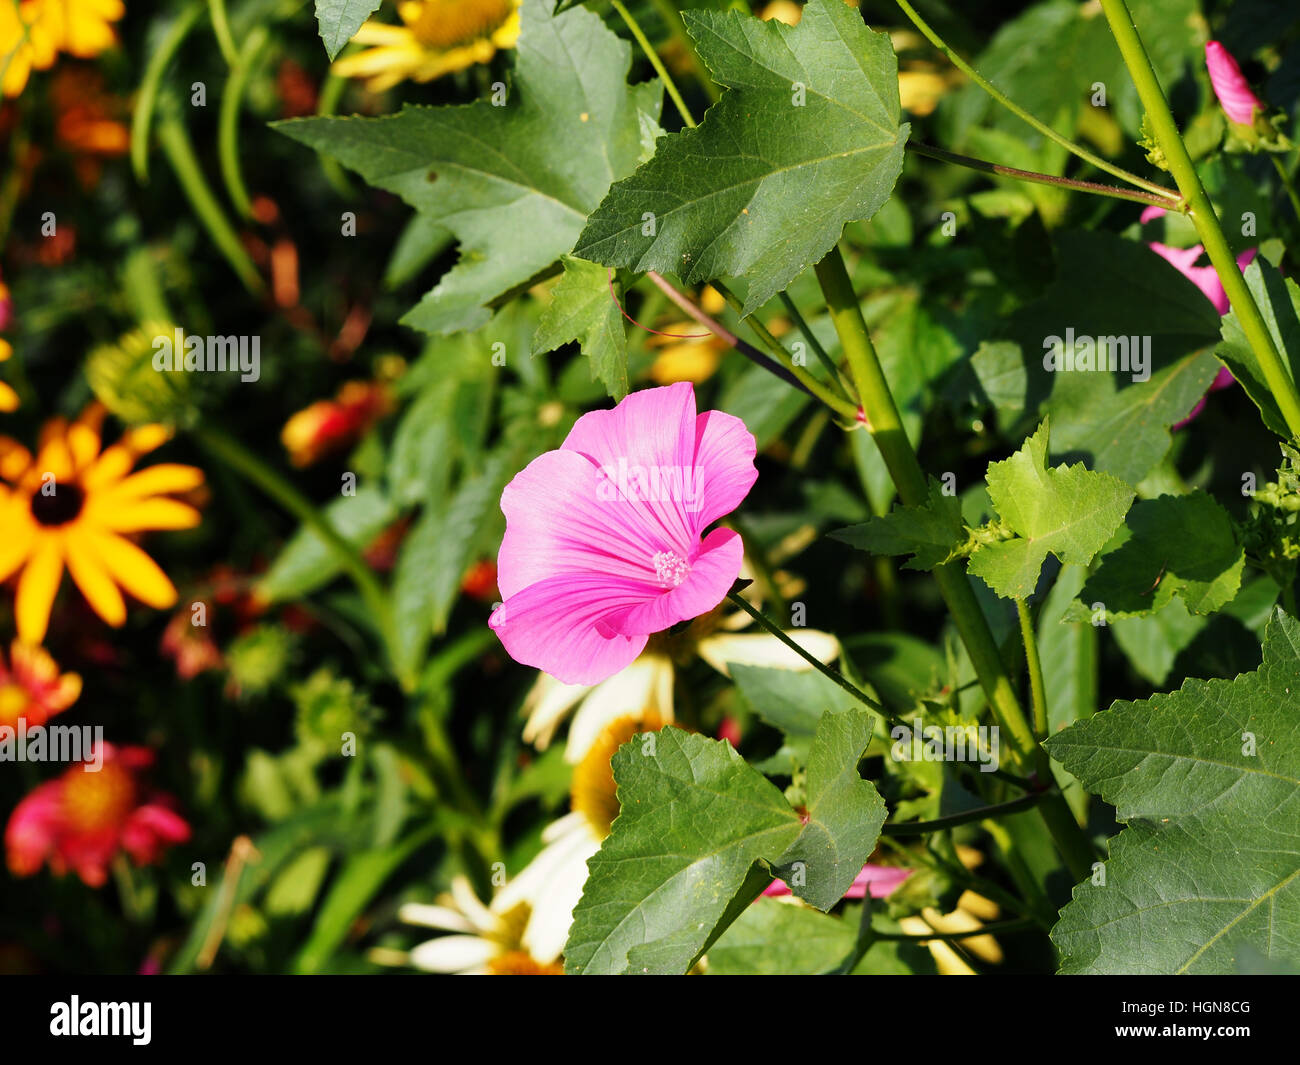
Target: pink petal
[[1148, 213], [556, 625], [1232, 89], [713, 570], [652, 431], [880, 880], [558, 523], [724, 453]]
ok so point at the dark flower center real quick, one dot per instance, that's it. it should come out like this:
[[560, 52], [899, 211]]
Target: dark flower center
[[57, 504]]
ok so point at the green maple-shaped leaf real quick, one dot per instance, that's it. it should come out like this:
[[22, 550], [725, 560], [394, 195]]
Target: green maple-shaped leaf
[[1070, 511], [932, 534], [339, 20], [583, 309], [514, 183], [700, 833], [1175, 545], [806, 139], [1207, 781]]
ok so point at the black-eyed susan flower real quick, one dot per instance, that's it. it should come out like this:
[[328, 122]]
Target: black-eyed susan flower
[[74, 504], [32, 688], [33, 32], [436, 37]]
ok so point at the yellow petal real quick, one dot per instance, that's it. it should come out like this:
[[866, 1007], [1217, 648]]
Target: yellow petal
[[37, 587], [55, 456], [157, 480], [19, 529], [93, 579], [132, 568], [8, 398], [137, 516], [14, 459]]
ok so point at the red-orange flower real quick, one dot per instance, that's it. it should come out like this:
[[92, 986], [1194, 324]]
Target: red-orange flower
[[32, 688], [80, 821], [329, 425]]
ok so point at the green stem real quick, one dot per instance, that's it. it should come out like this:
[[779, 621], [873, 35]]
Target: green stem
[[831, 369], [1037, 691], [221, 27], [845, 406], [786, 370], [228, 121], [921, 828], [886, 427], [833, 675], [180, 153], [985, 167], [673, 19], [1202, 213], [1287, 184], [147, 96], [253, 468], [655, 62], [1166, 198]]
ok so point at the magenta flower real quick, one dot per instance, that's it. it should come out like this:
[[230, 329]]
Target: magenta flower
[[1206, 278], [878, 880], [603, 537], [1234, 94]]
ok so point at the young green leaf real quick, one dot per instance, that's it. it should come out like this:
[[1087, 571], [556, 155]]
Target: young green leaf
[[1175, 545], [1069, 511], [583, 309], [516, 182], [844, 814], [932, 534], [1207, 780], [1278, 298], [806, 139], [339, 20]]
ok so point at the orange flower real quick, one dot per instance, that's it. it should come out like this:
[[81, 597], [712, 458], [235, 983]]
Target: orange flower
[[32, 688], [73, 503], [330, 425]]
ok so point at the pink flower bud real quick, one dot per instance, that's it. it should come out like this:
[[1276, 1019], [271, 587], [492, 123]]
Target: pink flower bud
[[1235, 97]]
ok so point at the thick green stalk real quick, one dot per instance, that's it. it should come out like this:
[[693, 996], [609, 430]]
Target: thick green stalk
[[1037, 690], [886, 427], [1202, 213]]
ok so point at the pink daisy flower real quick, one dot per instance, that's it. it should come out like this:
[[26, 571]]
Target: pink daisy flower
[[603, 543], [1234, 94], [79, 821]]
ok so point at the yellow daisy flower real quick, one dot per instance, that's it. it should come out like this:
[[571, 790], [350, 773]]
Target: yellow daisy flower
[[74, 503], [436, 37], [8, 397], [33, 32]]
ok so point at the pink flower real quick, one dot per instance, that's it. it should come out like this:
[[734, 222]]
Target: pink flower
[[1234, 94], [880, 880], [79, 821], [603, 537]]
